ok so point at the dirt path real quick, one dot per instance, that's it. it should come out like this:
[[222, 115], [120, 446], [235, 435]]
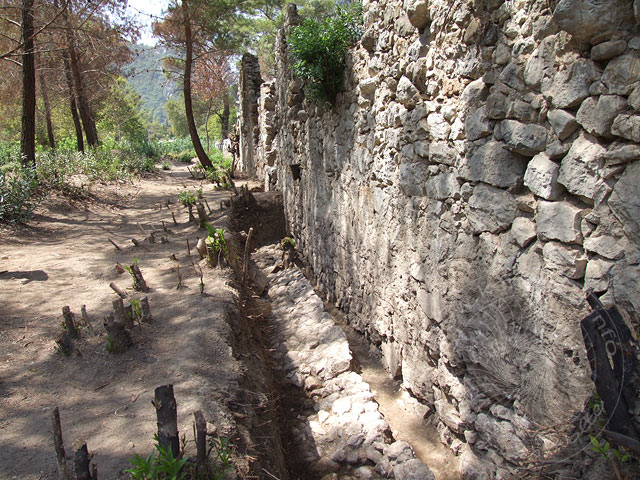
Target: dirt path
[[64, 258]]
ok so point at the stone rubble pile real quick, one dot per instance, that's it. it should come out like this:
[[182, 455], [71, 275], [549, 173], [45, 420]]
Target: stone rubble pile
[[476, 178], [345, 436]]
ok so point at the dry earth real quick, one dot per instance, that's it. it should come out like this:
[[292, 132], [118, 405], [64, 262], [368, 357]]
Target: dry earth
[[64, 258]]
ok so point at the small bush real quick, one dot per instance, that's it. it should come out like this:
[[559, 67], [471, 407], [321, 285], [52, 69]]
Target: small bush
[[319, 49], [18, 194]]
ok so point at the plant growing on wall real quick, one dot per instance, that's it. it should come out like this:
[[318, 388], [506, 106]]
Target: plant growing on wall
[[319, 48]]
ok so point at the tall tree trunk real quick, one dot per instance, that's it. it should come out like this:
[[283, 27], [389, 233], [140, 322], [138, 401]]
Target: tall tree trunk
[[28, 137], [225, 115], [73, 105], [47, 112], [74, 62], [206, 126], [188, 105]]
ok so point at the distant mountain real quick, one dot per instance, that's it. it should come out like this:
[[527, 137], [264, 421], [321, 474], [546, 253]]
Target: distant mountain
[[145, 75]]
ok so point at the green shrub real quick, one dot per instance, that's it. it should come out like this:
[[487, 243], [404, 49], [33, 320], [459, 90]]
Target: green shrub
[[319, 48], [18, 194]]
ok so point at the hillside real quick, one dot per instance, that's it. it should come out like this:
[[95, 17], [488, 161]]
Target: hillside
[[145, 75]]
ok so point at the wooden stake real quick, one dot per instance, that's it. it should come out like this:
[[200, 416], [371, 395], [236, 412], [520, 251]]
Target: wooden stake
[[179, 285], [85, 319], [63, 471], [167, 416], [119, 268], [119, 337], [118, 290], [142, 230], [201, 246], [69, 323], [201, 441], [145, 310], [82, 461], [140, 282], [189, 248], [138, 244], [174, 218], [245, 266], [191, 217], [202, 215], [115, 244], [208, 207]]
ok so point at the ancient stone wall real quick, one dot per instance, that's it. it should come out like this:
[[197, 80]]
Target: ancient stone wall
[[476, 178], [249, 91]]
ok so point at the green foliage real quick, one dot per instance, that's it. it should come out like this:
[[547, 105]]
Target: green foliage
[[288, 242], [319, 48], [216, 242], [134, 280], [166, 165], [60, 349], [189, 197], [605, 448], [18, 194], [160, 464], [222, 461], [110, 345]]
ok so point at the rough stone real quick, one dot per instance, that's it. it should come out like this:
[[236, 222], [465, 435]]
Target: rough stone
[[439, 128], [492, 163], [586, 18], [598, 275], [442, 152], [522, 138], [491, 209], [412, 470], [523, 231], [407, 93], [413, 177], [562, 122], [542, 177], [496, 106], [559, 221], [596, 117], [634, 99], [569, 87], [418, 12], [627, 126], [607, 50], [520, 110], [442, 186], [625, 201], [567, 260], [622, 74], [579, 169], [477, 125], [501, 433]]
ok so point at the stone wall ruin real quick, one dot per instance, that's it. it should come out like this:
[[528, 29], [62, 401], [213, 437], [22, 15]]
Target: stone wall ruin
[[478, 175]]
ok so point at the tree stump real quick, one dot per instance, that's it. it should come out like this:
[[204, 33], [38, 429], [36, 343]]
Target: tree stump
[[82, 461], [138, 280], [69, 322], [145, 310], [191, 217], [201, 246], [202, 215], [64, 344], [121, 293], [119, 338], [129, 316], [85, 319], [167, 416]]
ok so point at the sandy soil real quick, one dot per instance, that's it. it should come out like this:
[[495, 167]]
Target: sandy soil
[[64, 258]]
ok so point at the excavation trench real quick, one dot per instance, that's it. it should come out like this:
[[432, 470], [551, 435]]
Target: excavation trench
[[340, 413]]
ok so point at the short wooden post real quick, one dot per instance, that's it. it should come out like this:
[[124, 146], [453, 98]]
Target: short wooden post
[[121, 293], [202, 215], [145, 310], [201, 246], [175, 222], [128, 316], [58, 443], [140, 282], [167, 416], [191, 217], [85, 319], [201, 441], [81, 461], [69, 323]]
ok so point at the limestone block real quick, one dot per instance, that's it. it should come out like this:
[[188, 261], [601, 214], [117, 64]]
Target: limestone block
[[412, 469], [562, 122], [439, 128], [579, 168], [522, 138], [407, 93], [500, 434], [596, 117], [626, 288], [622, 74], [627, 126], [569, 87], [605, 245], [634, 99], [540, 60], [392, 358], [564, 259], [607, 50], [625, 201], [491, 209], [368, 87], [598, 275], [523, 231], [475, 92], [559, 221], [494, 164], [542, 177], [617, 154], [496, 106], [586, 18], [412, 177], [522, 111], [442, 186], [512, 75], [418, 12], [477, 125], [442, 152]]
